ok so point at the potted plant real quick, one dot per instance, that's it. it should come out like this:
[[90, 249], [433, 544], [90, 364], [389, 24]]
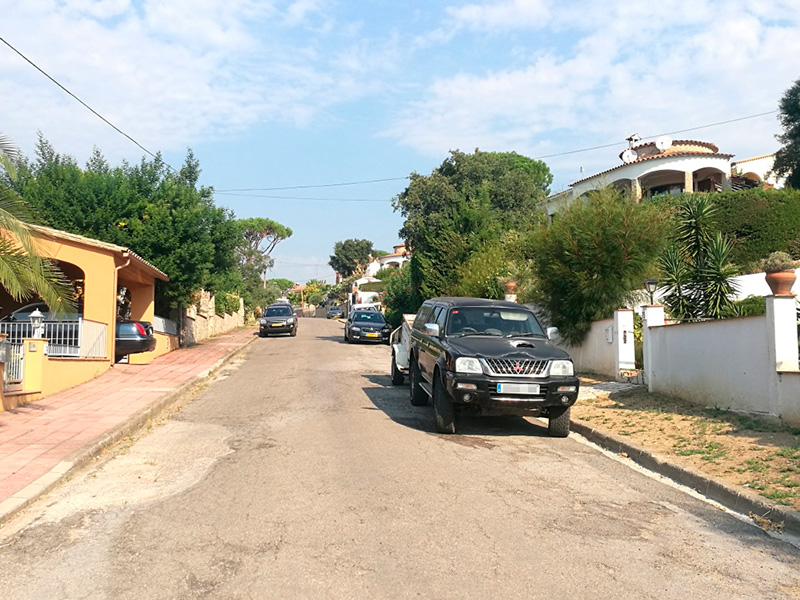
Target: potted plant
[[779, 268]]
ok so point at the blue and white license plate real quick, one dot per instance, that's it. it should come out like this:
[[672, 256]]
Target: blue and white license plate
[[529, 389]]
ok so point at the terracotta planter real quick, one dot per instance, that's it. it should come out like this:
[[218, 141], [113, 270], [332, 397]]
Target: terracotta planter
[[511, 287], [781, 282]]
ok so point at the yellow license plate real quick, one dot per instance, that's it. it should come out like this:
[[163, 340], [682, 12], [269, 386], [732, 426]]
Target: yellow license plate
[[277, 324], [372, 335]]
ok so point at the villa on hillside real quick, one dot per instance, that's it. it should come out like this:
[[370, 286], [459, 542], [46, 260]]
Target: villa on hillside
[[665, 166]]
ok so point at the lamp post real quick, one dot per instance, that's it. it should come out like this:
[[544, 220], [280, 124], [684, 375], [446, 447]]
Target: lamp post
[[37, 318], [651, 285]]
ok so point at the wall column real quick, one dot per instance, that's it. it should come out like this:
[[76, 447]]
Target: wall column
[[688, 182], [726, 181], [782, 333], [636, 189], [652, 316]]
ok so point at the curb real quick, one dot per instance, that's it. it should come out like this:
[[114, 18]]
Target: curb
[[732, 498], [82, 457]]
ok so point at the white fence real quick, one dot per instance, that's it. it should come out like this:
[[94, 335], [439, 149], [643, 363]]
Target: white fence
[[163, 325], [77, 339]]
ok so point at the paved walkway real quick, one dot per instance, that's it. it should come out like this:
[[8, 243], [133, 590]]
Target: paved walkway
[[42, 441]]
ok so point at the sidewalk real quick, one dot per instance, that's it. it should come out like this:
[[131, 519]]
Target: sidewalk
[[42, 442]]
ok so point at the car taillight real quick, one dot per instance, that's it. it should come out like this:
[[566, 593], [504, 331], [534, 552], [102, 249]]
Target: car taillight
[[140, 328]]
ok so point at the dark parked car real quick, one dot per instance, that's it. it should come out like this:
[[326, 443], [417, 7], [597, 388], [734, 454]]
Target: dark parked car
[[366, 326], [278, 318], [488, 357], [131, 337], [334, 312]]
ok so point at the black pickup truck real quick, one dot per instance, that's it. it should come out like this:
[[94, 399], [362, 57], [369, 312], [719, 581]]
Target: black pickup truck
[[488, 357]]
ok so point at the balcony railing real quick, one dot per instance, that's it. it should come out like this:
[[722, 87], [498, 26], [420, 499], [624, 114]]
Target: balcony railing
[[80, 338]]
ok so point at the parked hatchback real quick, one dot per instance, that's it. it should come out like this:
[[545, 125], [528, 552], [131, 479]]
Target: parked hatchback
[[366, 326], [278, 318]]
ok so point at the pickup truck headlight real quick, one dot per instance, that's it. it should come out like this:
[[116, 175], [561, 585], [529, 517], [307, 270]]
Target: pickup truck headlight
[[561, 368], [468, 364]]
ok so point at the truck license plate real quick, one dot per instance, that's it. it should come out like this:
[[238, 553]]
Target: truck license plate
[[529, 389]]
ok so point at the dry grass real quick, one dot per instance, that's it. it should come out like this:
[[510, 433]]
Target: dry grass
[[759, 454]]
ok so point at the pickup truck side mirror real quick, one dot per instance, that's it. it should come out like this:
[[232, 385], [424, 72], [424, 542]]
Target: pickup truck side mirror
[[552, 332], [431, 329]]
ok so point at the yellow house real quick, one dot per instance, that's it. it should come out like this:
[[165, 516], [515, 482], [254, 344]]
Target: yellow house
[[99, 271]]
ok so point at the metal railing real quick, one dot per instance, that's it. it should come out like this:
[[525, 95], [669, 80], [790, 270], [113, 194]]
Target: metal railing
[[78, 339], [13, 356], [163, 325]]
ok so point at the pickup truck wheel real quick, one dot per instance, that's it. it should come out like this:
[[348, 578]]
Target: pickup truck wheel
[[418, 395], [397, 374], [558, 423], [443, 410]]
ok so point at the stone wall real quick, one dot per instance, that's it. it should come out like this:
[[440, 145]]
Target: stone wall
[[200, 320]]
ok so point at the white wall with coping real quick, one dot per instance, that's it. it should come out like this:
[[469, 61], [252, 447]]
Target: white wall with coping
[[755, 284], [608, 348], [713, 363]]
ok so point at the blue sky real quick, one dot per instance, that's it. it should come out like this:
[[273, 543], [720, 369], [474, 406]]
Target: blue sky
[[282, 93]]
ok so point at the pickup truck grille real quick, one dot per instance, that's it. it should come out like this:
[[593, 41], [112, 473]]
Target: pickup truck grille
[[524, 366]]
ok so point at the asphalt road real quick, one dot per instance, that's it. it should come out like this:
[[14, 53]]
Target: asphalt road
[[300, 472]]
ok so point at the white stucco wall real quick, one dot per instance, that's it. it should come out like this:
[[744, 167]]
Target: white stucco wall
[[789, 397], [596, 355], [755, 284], [715, 363]]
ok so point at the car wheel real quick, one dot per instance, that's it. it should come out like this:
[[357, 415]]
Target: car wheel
[[397, 374], [443, 410], [294, 332], [418, 395], [558, 423]]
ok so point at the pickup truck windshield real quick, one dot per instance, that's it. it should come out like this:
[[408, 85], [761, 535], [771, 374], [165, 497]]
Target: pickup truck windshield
[[492, 321]]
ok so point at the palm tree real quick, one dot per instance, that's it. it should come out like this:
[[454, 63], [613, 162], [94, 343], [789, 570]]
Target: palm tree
[[23, 272]]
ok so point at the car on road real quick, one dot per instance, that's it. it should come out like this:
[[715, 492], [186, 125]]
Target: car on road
[[488, 357], [278, 318], [334, 312], [366, 326]]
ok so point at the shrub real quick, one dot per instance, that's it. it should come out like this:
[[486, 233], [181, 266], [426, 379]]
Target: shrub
[[596, 251], [226, 303], [776, 262]]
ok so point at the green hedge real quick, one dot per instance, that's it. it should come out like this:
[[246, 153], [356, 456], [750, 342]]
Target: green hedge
[[226, 303], [758, 221]]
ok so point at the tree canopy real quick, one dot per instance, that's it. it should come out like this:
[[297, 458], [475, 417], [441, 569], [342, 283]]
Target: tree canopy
[[160, 214], [23, 273], [350, 256], [465, 204], [787, 159]]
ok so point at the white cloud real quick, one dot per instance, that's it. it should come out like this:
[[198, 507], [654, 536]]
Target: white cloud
[[170, 74], [637, 67]]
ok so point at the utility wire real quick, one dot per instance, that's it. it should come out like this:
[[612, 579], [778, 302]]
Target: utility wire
[[305, 187], [93, 111], [299, 197]]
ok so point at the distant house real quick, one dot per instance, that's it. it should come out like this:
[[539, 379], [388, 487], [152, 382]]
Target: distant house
[[665, 166], [393, 260]]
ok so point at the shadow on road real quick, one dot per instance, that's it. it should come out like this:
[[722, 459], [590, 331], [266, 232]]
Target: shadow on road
[[394, 402], [331, 338]]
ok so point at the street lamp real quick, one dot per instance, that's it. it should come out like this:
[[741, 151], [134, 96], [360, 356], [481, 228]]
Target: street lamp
[[651, 285], [37, 318]]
